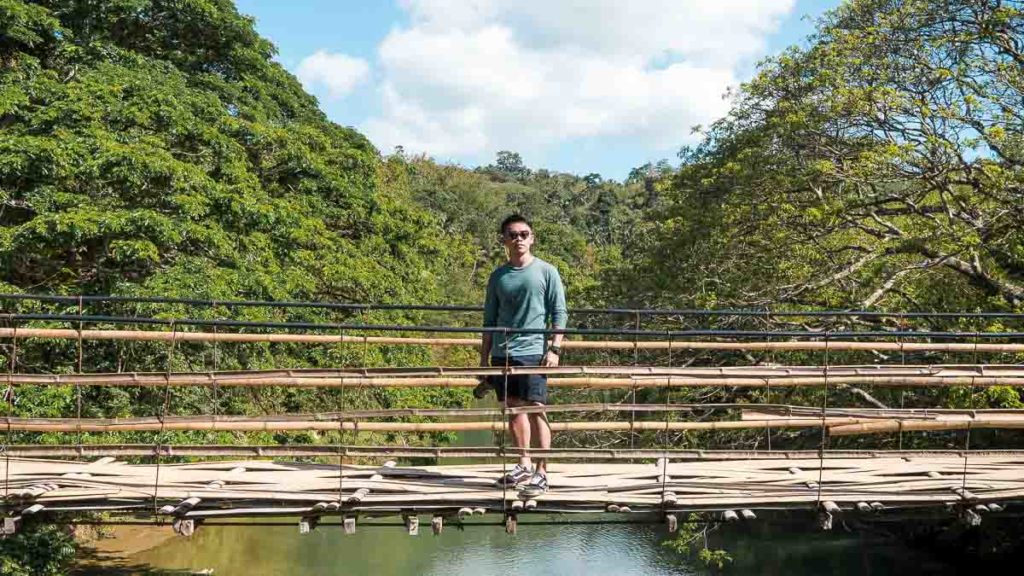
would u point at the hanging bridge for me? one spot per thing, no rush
(615, 456)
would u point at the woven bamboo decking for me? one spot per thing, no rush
(264, 488)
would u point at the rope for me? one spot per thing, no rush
(636, 362)
(903, 391)
(505, 425)
(362, 315)
(668, 437)
(216, 381)
(163, 417)
(768, 383)
(341, 424)
(9, 393)
(824, 430)
(78, 383)
(967, 436)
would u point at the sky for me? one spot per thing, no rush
(579, 86)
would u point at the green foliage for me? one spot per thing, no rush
(37, 550)
(153, 147)
(580, 222)
(878, 166)
(691, 541)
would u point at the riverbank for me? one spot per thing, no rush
(111, 549)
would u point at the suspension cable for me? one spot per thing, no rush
(967, 435)
(341, 424)
(506, 425)
(9, 393)
(824, 429)
(163, 418)
(668, 436)
(78, 383)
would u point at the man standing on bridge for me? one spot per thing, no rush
(526, 292)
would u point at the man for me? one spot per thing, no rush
(526, 293)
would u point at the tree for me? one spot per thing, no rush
(153, 147)
(879, 166)
(511, 164)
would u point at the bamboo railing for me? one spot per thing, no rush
(682, 480)
(680, 344)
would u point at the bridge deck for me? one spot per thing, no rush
(263, 488)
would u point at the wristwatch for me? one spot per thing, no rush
(556, 349)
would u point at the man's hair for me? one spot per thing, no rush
(512, 220)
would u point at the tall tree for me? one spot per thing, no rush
(148, 143)
(879, 166)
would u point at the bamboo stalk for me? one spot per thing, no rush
(181, 336)
(467, 382)
(268, 425)
(767, 411)
(895, 425)
(838, 425)
(276, 377)
(472, 452)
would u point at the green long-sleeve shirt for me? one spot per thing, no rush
(527, 297)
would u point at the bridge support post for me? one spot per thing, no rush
(349, 524)
(412, 524)
(308, 523)
(672, 523)
(969, 517)
(10, 525)
(511, 523)
(824, 520)
(827, 513)
(185, 526)
(437, 524)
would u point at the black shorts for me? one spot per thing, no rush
(526, 387)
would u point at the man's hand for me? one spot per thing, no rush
(551, 360)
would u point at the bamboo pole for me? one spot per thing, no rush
(270, 425)
(896, 425)
(837, 425)
(766, 411)
(471, 452)
(182, 336)
(282, 377)
(640, 381)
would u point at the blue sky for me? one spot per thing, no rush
(597, 86)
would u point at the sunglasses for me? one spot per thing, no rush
(523, 235)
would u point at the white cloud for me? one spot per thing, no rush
(339, 73)
(469, 77)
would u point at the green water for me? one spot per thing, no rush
(548, 549)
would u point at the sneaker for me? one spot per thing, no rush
(537, 485)
(513, 477)
(482, 389)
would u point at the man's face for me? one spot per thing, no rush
(518, 238)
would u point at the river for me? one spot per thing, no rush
(541, 549)
(592, 549)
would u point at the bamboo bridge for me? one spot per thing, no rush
(64, 468)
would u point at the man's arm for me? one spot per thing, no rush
(554, 301)
(485, 349)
